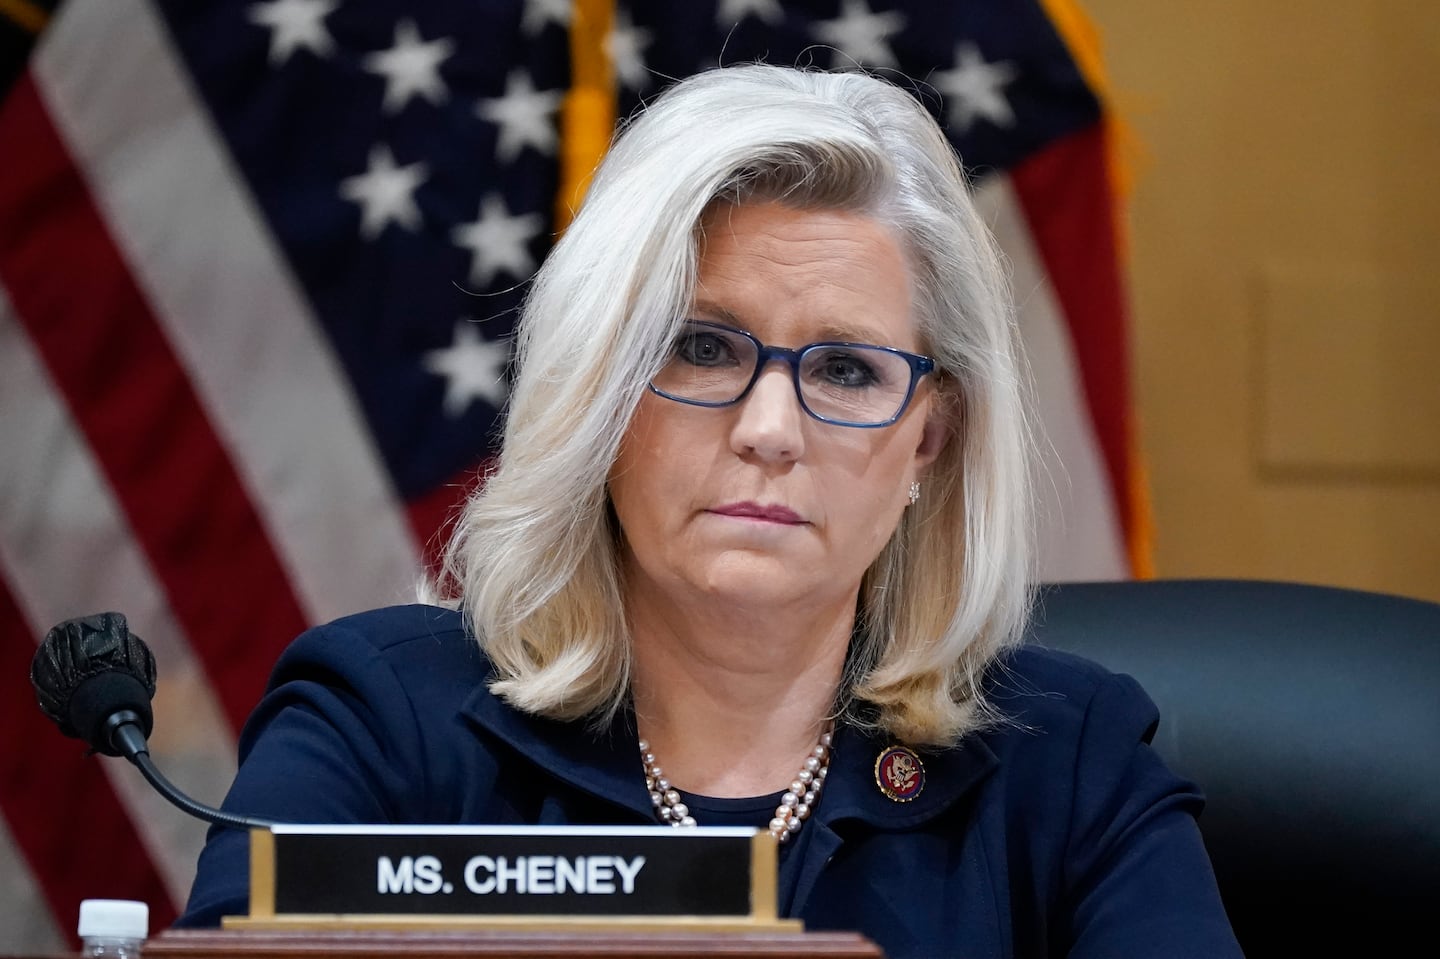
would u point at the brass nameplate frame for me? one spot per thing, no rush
(521, 877)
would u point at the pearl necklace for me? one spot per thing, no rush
(790, 815)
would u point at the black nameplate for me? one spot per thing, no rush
(525, 872)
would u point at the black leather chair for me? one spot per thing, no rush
(1311, 718)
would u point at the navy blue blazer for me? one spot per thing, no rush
(1059, 834)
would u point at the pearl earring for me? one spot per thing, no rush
(914, 493)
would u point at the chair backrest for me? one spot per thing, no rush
(1310, 716)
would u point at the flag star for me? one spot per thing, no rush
(525, 117)
(538, 13)
(295, 24)
(385, 193)
(498, 241)
(862, 36)
(473, 367)
(411, 67)
(731, 12)
(624, 46)
(976, 89)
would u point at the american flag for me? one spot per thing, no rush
(259, 264)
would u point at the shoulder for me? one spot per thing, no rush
(378, 694)
(394, 628)
(1093, 815)
(1038, 689)
(427, 651)
(1071, 730)
(391, 631)
(1052, 666)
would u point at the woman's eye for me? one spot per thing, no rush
(703, 349)
(847, 369)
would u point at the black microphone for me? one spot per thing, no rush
(94, 678)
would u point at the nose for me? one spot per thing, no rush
(770, 423)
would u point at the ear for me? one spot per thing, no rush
(933, 439)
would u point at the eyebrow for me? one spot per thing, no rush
(827, 332)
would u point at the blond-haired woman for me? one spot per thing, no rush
(757, 552)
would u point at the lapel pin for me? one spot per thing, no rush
(899, 773)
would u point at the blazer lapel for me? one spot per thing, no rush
(853, 802)
(603, 763)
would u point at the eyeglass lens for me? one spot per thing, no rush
(850, 383)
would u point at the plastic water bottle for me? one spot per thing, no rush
(113, 928)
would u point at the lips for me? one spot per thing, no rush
(758, 511)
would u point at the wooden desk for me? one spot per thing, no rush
(260, 944)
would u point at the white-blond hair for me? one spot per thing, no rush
(533, 561)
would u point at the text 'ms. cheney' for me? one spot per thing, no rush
(524, 875)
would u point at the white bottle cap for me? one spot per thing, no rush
(114, 919)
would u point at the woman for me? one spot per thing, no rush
(756, 551)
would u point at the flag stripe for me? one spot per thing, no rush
(94, 331)
(1066, 194)
(267, 376)
(62, 517)
(433, 515)
(61, 809)
(1080, 536)
(24, 910)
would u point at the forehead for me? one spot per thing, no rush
(793, 276)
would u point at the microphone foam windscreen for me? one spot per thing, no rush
(68, 665)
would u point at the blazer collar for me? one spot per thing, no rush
(852, 787)
(604, 763)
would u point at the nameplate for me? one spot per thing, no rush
(477, 875)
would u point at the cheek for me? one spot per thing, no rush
(877, 495)
(631, 484)
(649, 474)
(874, 476)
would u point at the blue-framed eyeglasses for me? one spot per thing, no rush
(845, 384)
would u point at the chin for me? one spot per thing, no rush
(763, 580)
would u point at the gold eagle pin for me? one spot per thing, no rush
(899, 773)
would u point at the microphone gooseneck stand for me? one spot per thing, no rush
(126, 735)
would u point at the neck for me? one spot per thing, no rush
(733, 701)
